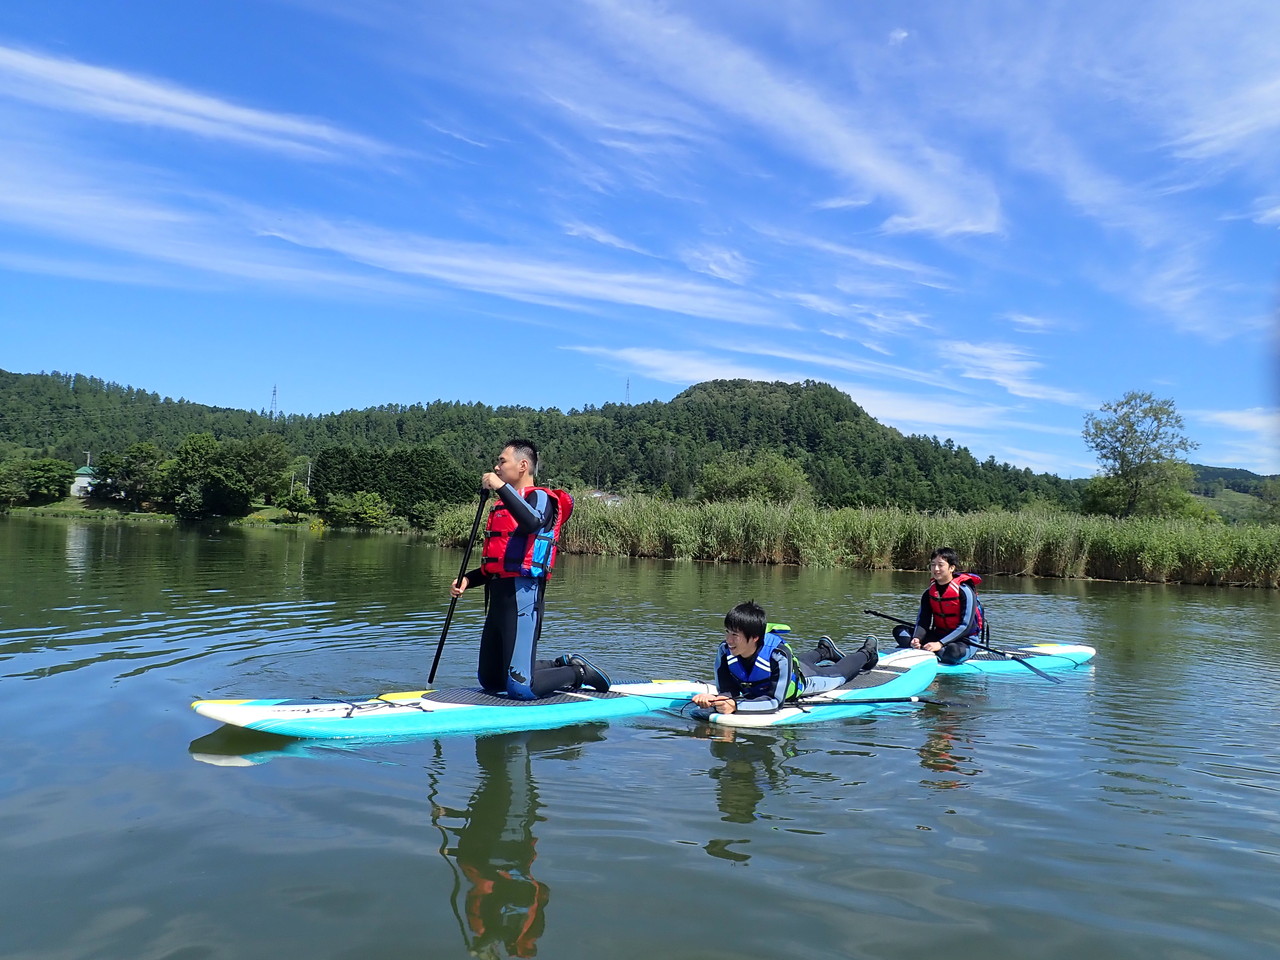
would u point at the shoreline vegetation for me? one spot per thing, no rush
(995, 542)
(1039, 543)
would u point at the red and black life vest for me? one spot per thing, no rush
(510, 553)
(947, 607)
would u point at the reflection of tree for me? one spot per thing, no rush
(752, 763)
(493, 844)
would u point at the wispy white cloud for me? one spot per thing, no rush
(456, 135)
(1238, 119)
(1267, 211)
(677, 366)
(825, 361)
(1263, 421)
(842, 203)
(920, 272)
(719, 262)
(1031, 324)
(1249, 438)
(933, 191)
(68, 85)
(157, 228)
(1008, 366)
(600, 235)
(520, 275)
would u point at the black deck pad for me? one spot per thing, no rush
(474, 695)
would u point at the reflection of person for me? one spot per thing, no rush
(504, 906)
(519, 552)
(757, 672)
(751, 763)
(940, 754)
(950, 613)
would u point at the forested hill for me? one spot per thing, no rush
(849, 458)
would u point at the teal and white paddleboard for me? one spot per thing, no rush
(456, 710)
(1045, 656)
(899, 676)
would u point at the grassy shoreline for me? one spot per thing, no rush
(1026, 543)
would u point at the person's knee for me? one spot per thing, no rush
(518, 687)
(902, 635)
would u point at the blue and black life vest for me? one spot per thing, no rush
(758, 681)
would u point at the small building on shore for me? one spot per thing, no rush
(80, 485)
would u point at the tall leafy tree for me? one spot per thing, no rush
(48, 479)
(1138, 440)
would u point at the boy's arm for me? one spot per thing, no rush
(924, 618)
(780, 668)
(726, 683)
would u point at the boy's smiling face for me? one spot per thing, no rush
(740, 645)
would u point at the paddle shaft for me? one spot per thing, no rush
(981, 646)
(854, 703)
(462, 572)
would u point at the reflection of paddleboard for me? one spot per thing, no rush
(902, 673)
(456, 710)
(234, 747)
(1046, 656)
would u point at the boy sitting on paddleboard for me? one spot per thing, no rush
(757, 672)
(949, 614)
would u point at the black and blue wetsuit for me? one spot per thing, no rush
(509, 642)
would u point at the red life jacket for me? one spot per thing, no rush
(948, 607)
(509, 553)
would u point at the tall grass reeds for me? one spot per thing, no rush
(1028, 543)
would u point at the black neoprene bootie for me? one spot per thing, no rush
(871, 647)
(589, 675)
(827, 650)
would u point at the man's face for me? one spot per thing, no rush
(740, 645)
(508, 466)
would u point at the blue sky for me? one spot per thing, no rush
(982, 220)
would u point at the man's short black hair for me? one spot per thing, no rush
(747, 618)
(525, 450)
(947, 554)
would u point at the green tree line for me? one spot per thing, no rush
(681, 449)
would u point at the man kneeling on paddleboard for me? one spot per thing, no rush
(520, 548)
(757, 672)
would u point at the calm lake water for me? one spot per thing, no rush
(1130, 812)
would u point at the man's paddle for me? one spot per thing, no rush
(981, 646)
(462, 572)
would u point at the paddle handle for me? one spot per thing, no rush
(885, 616)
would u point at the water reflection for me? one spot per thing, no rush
(490, 843)
(947, 753)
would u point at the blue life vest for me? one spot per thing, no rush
(758, 681)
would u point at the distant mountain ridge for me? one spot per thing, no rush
(849, 457)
